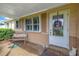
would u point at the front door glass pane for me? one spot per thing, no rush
(58, 25)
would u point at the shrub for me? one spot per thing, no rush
(6, 34)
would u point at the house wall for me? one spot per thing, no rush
(21, 25)
(77, 31)
(73, 24)
(41, 38)
(3, 26)
(11, 25)
(44, 22)
(73, 17)
(38, 38)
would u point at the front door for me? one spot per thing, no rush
(58, 29)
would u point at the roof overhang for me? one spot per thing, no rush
(16, 10)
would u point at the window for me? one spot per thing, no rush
(17, 24)
(36, 24)
(1, 24)
(28, 25)
(32, 24)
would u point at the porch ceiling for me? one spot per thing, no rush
(19, 9)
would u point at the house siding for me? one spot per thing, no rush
(21, 25)
(73, 24)
(44, 22)
(38, 38)
(11, 25)
(41, 38)
(73, 17)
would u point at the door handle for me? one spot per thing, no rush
(50, 32)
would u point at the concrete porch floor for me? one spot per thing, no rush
(29, 49)
(21, 49)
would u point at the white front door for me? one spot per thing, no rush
(58, 29)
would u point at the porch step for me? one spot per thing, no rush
(31, 47)
(19, 36)
(59, 51)
(56, 51)
(34, 48)
(12, 40)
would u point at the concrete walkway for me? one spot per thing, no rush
(16, 51)
(30, 49)
(21, 49)
(20, 52)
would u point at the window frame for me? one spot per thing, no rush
(33, 24)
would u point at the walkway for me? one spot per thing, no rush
(18, 49)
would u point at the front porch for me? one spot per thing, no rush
(30, 49)
(53, 31)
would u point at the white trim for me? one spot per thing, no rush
(32, 23)
(14, 24)
(68, 14)
(24, 25)
(40, 23)
(48, 19)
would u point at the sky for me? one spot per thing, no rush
(2, 18)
